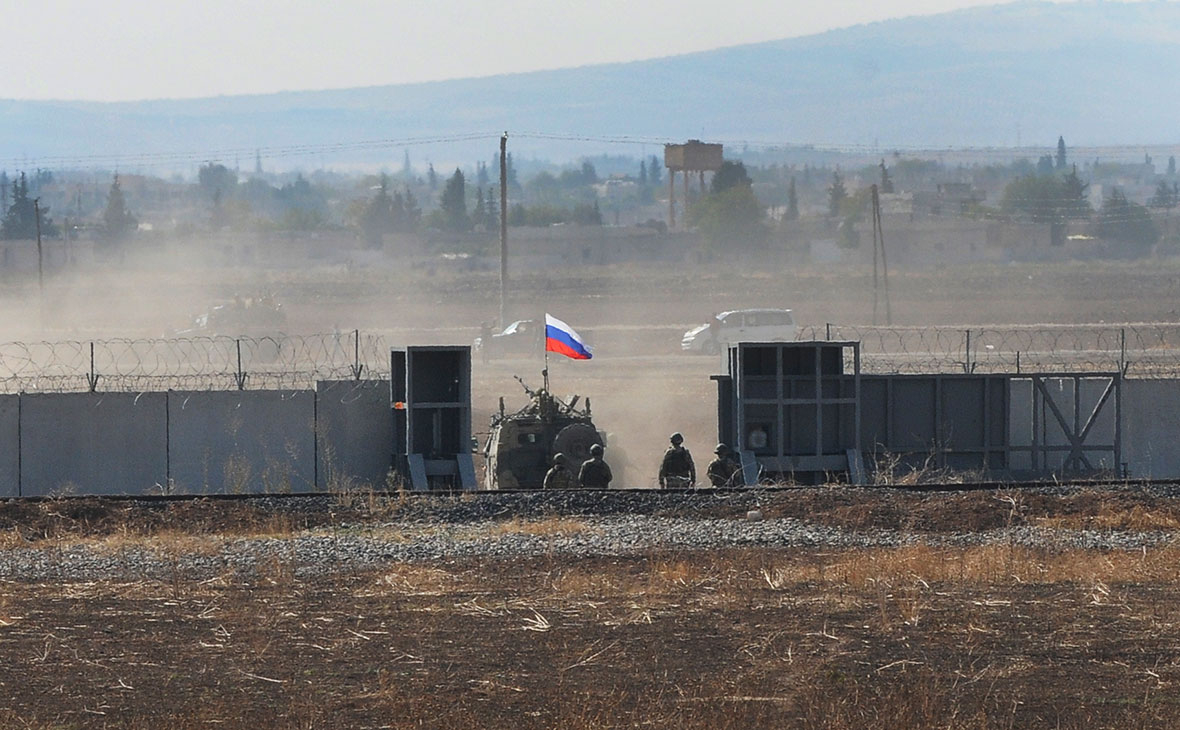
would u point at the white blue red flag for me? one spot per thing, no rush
(561, 338)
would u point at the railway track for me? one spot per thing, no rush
(931, 487)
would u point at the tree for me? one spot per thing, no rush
(730, 214)
(479, 215)
(216, 180)
(643, 173)
(492, 211)
(1126, 222)
(407, 171)
(379, 216)
(886, 181)
(431, 177)
(1045, 165)
(1074, 202)
(117, 221)
(1060, 161)
(729, 175)
(1172, 166)
(655, 171)
(1164, 197)
(20, 220)
(792, 202)
(453, 204)
(837, 193)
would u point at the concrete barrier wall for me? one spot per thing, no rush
(92, 443)
(242, 441)
(9, 445)
(1151, 428)
(354, 433)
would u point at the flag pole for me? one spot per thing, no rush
(545, 372)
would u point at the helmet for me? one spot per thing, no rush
(596, 450)
(677, 438)
(559, 458)
(721, 449)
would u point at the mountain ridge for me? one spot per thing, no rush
(1098, 73)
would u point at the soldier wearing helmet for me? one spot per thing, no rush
(677, 469)
(595, 473)
(559, 477)
(723, 471)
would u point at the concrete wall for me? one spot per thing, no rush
(1151, 428)
(9, 445)
(354, 433)
(92, 443)
(242, 441)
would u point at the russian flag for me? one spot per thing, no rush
(561, 338)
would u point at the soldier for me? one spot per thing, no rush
(677, 469)
(595, 473)
(559, 477)
(722, 470)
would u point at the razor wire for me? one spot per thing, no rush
(1138, 350)
(196, 363)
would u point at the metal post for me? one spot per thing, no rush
(92, 378)
(828, 326)
(357, 368)
(967, 363)
(240, 377)
(671, 198)
(503, 229)
(1123, 350)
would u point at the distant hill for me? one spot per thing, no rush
(1098, 73)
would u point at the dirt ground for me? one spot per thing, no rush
(736, 640)
(992, 636)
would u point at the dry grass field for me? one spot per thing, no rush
(989, 636)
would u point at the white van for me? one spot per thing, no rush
(741, 325)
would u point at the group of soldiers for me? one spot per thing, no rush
(593, 474)
(677, 469)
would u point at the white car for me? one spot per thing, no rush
(740, 325)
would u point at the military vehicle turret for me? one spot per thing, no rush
(521, 445)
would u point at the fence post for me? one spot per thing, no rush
(1018, 362)
(240, 376)
(356, 368)
(92, 378)
(1123, 350)
(828, 330)
(967, 363)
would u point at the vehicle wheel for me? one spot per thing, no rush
(712, 348)
(575, 441)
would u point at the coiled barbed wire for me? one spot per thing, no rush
(1140, 350)
(192, 363)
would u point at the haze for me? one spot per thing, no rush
(140, 49)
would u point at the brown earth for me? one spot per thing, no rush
(916, 637)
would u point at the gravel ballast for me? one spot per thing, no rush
(556, 524)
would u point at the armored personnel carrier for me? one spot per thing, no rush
(521, 445)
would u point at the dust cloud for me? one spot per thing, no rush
(641, 386)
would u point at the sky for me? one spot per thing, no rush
(119, 50)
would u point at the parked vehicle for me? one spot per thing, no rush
(522, 338)
(740, 325)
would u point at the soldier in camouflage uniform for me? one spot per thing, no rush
(559, 477)
(595, 473)
(722, 470)
(677, 469)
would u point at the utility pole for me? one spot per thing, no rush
(503, 230)
(40, 266)
(879, 249)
